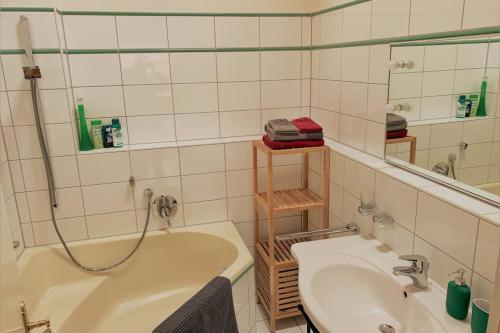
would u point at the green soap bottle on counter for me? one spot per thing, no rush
(458, 296)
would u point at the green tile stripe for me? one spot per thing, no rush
(339, 7)
(449, 42)
(187, 50)
(35, 51)
(390, 40)
(26, 9)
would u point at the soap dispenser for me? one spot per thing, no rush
(458, 296)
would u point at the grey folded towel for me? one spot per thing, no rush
(292, 137)
(211, 310)
(395, 122)
(282, 126)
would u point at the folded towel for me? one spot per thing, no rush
(394, 119)
(292, 137)
(291, 144)
(282, 126)
(306, 125)
(210, 310)
(397, 134)
(397, 127)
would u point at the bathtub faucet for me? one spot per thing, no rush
(31, 325)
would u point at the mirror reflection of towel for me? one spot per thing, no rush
(395, 122)
(211, 310)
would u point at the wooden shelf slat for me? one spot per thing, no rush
(297, 199)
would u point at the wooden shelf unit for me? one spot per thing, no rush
(407, 139)
(276, 273)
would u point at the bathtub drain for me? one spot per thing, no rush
(386, 328)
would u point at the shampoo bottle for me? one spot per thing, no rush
(461, 107)
(84, 138)
(481, 108)
(116, 130)
(458, 296)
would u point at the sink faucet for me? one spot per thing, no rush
(417, 271)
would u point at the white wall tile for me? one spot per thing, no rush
(359, 179)
(446, 227)
(390, 18)
(377, 102)
(378, 69)
(193, 67)
(238, 66)
(101, 101)
(355, 62)
(237, 31)
(440, 57)
(204, 187)
(205, 101)
(148, 99)
(437, 83)
(145, 68)
(107, 198)
(17, 176)
(161, 163)
(10, 143)
(280, 65)
(27, 142)
(430, 16)
(191, 31)
(354, 98)
(65, 170)
(94, 69)
(436, 107)
(194, 126)
(280, 94)
(54, 106)
(7, 186)
(238, 155)
(5, 112)
(43, 32)
(90, 32)
(405, 85)
(147, 129)
(111, 224)
(239, 96)
(488, 240)
(375, 138)
(142, 32)
(205, 212)
(60, 139)
(72, 229)
(34, 174)
(240, 209)
(475, 155)
(480, 130)
(471, 56)
(330, 28)
(330, 64)
(481, 13)
(468, 81)
(240, 183)
(104, 168)
(49, 63)
(329, 95)
(352, 131)
(202, 159)
(415, 54)
(356, 22)
(69, 204)
(395, 237)
(280, 31)
(240, 123)
(446, 135)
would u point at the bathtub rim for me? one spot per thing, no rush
(225, 230)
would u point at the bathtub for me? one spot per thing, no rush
(169, 268)
(491, 187)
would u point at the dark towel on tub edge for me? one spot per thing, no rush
(211, 310)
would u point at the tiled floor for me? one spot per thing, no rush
(289, 325)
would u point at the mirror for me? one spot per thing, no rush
(443, 112)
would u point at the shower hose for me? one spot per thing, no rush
(52, 195)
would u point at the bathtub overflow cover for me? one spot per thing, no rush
(386, 328)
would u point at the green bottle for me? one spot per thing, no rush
(481, 108)
(458, 296)
(85, 142)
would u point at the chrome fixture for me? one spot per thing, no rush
(32, 73)
(398, 107)
(16, 244)
(417, 271)
(444, 168)
(463, 146)
(395, 64)
(351, 227)
(451, 161)
(383, 219)
(386, 328)
(29, 326)
(165, 208)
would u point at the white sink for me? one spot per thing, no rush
(346, 285)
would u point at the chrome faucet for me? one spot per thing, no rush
(417, 271)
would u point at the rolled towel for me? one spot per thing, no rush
(282, 126)
(292, 137)
(307, 125)
(397, 134)
(291, 144)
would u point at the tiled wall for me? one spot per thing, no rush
(349, 84)
(451, 229)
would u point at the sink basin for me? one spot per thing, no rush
(346, 285)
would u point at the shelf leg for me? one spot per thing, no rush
(256, 209)
(270, 231)
(326, 189)
(305, 184)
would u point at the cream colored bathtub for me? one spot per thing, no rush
(491, 187)
(169, 268)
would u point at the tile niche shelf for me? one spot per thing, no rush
(276, 273)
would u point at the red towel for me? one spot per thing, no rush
(291, 144)
(397, 134)
(306, 125)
